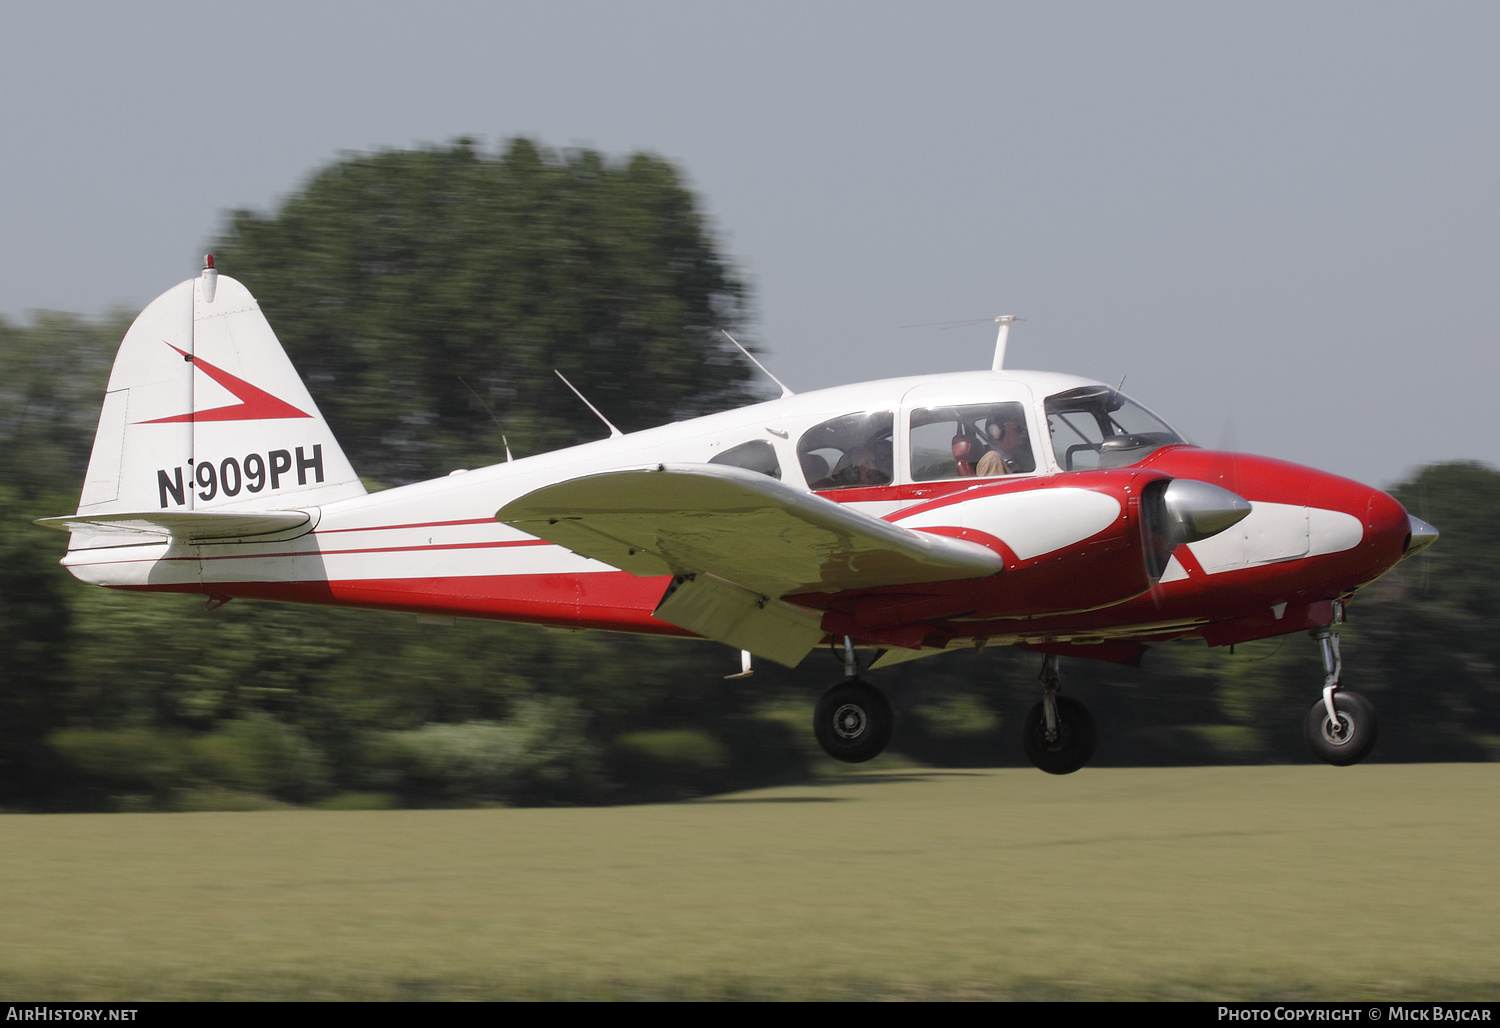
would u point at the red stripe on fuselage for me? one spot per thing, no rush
(415, 524)
(612, 600)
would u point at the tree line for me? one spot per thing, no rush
(425, 296)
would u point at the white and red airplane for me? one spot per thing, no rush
(910, 517)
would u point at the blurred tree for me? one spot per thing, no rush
(419, 291)
(52, 377)
(34, 634)
(1426, 652)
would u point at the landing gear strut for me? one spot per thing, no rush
(1341, 727)
(1059, 733)
(853, 720)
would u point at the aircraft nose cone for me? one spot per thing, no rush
(1423, 535)
(1197, 510)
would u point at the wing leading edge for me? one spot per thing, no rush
(738, 541)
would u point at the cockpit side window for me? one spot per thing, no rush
(980, 440)
(757, 455)
(849, 452)
(1096, 427)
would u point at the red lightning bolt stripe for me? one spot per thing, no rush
(255, 403)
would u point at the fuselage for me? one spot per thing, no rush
(436, 548)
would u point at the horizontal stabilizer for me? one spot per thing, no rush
(744, 527)
(185, 526)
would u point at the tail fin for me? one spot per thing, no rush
(204, 412)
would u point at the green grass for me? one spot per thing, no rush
(1376, 882)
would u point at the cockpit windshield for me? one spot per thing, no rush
(1095, 427)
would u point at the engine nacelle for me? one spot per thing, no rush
(1072, 543)
(1079, 542)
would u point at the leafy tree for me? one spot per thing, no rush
(420, 292)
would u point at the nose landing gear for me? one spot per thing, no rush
(1059, 733)
(1341, 728)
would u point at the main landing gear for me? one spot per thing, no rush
(853, 720)
(1341, 727)
(1059, 733)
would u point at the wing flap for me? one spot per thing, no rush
(719, 610)
(743, 527)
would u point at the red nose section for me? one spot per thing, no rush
(1385, 527)
(1387, 530)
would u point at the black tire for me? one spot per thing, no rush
(853, 722)
(1353, 743)
(1074, 745)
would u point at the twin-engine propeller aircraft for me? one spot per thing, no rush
(910, 517)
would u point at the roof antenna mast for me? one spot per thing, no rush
(1001, 338)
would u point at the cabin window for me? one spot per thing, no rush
(982, 440)
(849, 452)
(1096, 427)
(757, 455)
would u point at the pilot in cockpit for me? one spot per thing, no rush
(1009, 447)
(869, 464)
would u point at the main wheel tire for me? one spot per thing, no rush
(1355, 736)
(1076, 737)
(853, 722)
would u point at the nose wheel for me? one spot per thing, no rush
(1348, 735)
(1341, 728)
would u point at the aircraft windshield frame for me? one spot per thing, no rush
(1095, 426)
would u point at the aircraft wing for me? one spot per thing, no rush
(743, 527)
(738, 541)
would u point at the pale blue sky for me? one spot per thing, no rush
(1281, 213)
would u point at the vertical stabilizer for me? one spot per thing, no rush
(205, 412)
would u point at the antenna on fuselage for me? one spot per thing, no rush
(613, 431)
(491, 413)
(785, 392)
(1001, 338)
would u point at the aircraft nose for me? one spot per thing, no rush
(1422, 535)
(1388, 528)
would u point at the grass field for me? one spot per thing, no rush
(1376, 882)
